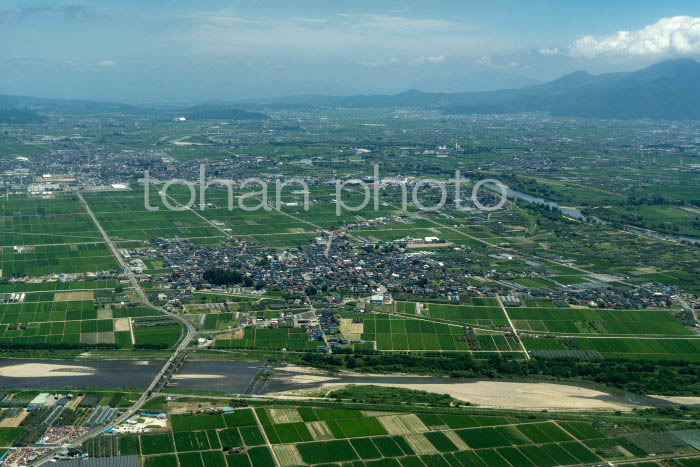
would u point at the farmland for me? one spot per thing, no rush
(480, 316)
(63, 220)
(142, 224)
(526, 292)
(650, 349)
(289, 338)
(610, 322)
(44, 319)
(52, 259)
(308, 435)
(396, 333)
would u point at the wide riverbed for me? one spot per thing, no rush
(31, 373)
(514, 394)
(234, 377)
(292, 381)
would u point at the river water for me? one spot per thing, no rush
(38, 374)
(242, 378)
(577, 214)
(234, 377)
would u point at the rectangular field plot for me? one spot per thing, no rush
(188, 423)
(288, 433)
(487, 316)
(168, 333)
(57, 322)
(288, 338)
(396, 333)
(57, 286)
(327, 451)
(392, 333)
(140, 224)
(651, 349)
(63, 220)
(47, 260)
(583, 321)
(323, 436)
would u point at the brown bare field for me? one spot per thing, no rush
(456, 440)
(284, 415)
(89, 337)
(75, 402)
(234, 334)
(350, 330)
(375, 413)
(420, 444)
(430, 245)
(74, 296)
(15, 421)
(104, 314)
(122, 324)
(319, 430)
(288, 455)
(106, 337)
(402, 424)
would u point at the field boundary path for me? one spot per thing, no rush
(178, 353)
(267, 440)
(512, 326)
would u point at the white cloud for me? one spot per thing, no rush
(107, 63)
(311, 20)
(679, 35)
(548, 51)
(379, 62)
(429, 59)
(362, 37)
(390, 22)
(484, 60)
(372, 63)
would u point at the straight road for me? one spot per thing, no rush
(175, 357)
(512, 327)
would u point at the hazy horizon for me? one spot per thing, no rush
(216, 50)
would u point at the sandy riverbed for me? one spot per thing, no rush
(35, 370)
(494, 394)
(682, 400)
(512, 395)
(202, 376)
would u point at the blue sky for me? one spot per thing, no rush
(189, 51)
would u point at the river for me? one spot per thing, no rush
(234, 377)
(242, 378)
(577, 214)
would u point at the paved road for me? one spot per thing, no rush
(175, 357)
(512, 326)
(686, 306)
(510, 249)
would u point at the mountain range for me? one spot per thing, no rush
(667, 90)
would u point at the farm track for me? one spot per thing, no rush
(512, 327)
(179, 350)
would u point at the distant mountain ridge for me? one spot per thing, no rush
(221, 112)
(18, 116)
(25, 109)
(65, 106)
(667, 90)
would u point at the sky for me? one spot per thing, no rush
(145, 51)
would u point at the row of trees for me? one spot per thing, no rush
(642, 377)
(219, 276)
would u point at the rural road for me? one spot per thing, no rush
(174, 358)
